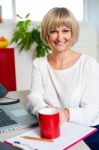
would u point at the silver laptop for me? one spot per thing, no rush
(15, 116)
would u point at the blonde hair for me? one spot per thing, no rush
(55, 18)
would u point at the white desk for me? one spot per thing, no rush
(22, 95)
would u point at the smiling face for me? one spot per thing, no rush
(60, 38)
(59, 29)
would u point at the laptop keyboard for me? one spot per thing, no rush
(5, 119)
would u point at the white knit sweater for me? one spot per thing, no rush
(75, 88)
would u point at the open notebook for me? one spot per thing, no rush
(70, 134)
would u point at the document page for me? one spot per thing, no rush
(71, 133)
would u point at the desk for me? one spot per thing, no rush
(22, 95)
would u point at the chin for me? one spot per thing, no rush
(61, 50)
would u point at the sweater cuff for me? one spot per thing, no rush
(36, 109)
(75, 115)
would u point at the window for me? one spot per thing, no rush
(38, 8)
(6, 9)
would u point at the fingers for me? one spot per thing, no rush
(62, 121)
(63, 116)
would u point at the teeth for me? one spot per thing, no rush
(60, 43)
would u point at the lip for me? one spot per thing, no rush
(59, 43)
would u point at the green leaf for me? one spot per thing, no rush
(27, 15)
(19, 16)
(24, 38)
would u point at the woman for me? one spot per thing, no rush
(64, 78)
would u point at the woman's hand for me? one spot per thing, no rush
(64, 115)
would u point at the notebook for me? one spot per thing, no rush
(71, 134)
(14, 116)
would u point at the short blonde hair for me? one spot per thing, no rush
(57, 17)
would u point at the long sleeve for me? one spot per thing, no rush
(36, 96)
(88, 111)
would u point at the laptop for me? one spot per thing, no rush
(14, 116)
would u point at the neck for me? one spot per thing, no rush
(63, 60)
(61, 56)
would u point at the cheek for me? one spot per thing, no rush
(52, 37)
(69, 36)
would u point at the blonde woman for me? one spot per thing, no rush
(65, 79)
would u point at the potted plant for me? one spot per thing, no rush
(26, 34)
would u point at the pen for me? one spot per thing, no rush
(26, 146)
(13, 145)
(37, 139)
(17, 146)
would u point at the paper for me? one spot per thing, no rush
(71, 133)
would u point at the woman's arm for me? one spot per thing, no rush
(88, 109)
(35, 98)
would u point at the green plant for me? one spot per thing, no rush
(26, 34)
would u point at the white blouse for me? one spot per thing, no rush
(75, 88)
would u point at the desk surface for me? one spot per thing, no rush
(22, 95)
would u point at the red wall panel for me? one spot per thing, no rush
(7, 69)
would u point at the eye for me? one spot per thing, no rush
(53, 31)
(66, 30)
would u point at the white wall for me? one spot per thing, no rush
(23, 69)
(92, 11)
(87, 44)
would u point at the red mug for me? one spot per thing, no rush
(49, 123)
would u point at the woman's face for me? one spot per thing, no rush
(60, 38)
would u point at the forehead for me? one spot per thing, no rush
(57, 23)
(61, 28)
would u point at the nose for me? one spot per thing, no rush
(60, 36)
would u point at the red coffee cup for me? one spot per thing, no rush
(49, 123)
